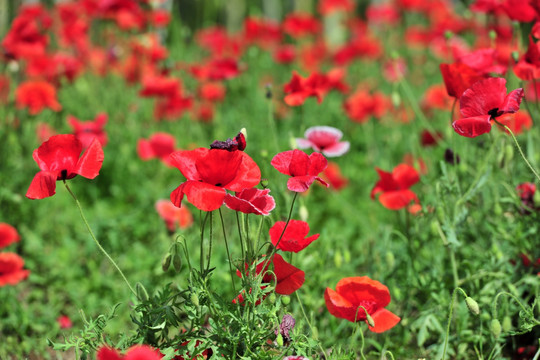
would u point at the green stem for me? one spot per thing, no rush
(521, 152)
(211, 241)
(527, 311)
(362, 341)
(450, 318)
(308, 322)
(96, 240)
(241, 237)
(203, 224)
(227, 248)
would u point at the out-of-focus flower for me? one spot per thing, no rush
(36, 96)
(8, 235)
(64, 322)
(303, 169)
(324, 139)
(174, 217)
(87, 131)
(11, 269)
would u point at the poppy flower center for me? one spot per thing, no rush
(494, 113)
(63, 174)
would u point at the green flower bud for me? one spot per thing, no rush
(390, 259)
(497, 209)
(338, 259)
(142, 294)
(279, 340)
(194, 299)
(472, 305)
(285, 300)
(166, 262)
(396, 99)
(264, 183)
(177, 262)
(370, 320)
(507, 324)
(495, 327)
(272, 298)
(509, 152)
(434, 227)
(303, 212)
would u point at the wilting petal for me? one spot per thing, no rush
(43, 185)
(90, 163)
(289, 278)
(482, 96)
(336, 149)
(384, 320)
(472, 126)
(512, 101)
(395, 200)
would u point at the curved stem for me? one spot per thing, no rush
(96, 240)
(521, 152)
(227, 248)
(307, 320)
(450, 318)
(527, 311)
(362, 342)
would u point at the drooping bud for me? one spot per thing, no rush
(166, 262)
(472, 305)
(285, 300)
(507, 324)
(495, 327)
(142, 294)
(370, 320)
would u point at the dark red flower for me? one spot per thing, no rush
(251, 201)
(303, 169)
(238, 143)
(87, 131)
(294, 238)
(458, 77)
(136, 352)
(11, 269)
(36, 96)
(209, 172)
(395, 186)
(482, 102)
(428, 138)
(173, 216)
(58, 159)
(324, 139)
(8, 235)
(356, 296)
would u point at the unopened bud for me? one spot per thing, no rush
(279, 340)
(472, 305)
(194, 299)
(495, 327)
(272, 298)
(370, 320)
(338, 259)
(507, 324)
(244, 132)
(390, 259)
(396, 99)
(166, 262)
(285, 300)
(497, 209)
(264, 183)
(142, 294)
(536, 198)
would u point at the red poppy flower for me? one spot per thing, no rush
(173, 216)
(324, 139)
(87, 131)
(64, 322)
(458, 77)
(263, 32)
(27, 38)
(172, 107)
(44, 131)
(436, 98)
(304, 169)
(137, 352)
(361, 105)
(160, 145)
(37, 95)
(299, 89)
(528, 67)
(212, 91)
(482, 102)
(58, 159)
(483, 61)
(294, 238)
(285, 54)
(251, 201)
(11, 269)
(160, 86)
(395, 186)
(354, 296)
(333, 176)
(517, 122)
(298, 25)
(216, 69)
(209, 172)
(327, 7)
(8, 235)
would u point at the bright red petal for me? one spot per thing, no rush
(384, 320)
(362, 289)
(395, 200)
(472, 126)
(299, 164)
(186, 162)
(247, 176)
(106, 353)
(405, 176)
(60, 152)
(512, 101)
(203, 196)
(281, 162)
(90, 163)
(337, 305)
(43, 185)
(482, 97)
(289, 278)
(318, 164)
(142, 352)
(300, 183)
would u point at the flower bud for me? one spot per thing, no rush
(507, 324)
(194, 298)
(166, 262)
(279, 340)
(390, 259)
(497, 209)
(264, 183)
(369, 320)
(495, 327)
(142, 294)
(177, 262)
(338, 259)
(285, 300)
(396, 99)
(509, 152)
(536, 198)
(272, 298)
(472, 305)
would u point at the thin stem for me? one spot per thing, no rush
(241, 237)
(307, 321)
(227, 248)
(203, 223)
(521, 152)
(362, 341)
(211, 242)
(389, 353)
(450, 318)
(96, 240)
(527, 311)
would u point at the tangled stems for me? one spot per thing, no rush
(450, 317)
(309, 323)
(96, 241)
(525, 310)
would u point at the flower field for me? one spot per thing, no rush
(331, 179)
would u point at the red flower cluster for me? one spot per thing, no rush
(394, 187)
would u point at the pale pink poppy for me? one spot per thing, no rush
(324, 139)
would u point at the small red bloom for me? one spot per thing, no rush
(64, 322)
(482, 102)
(251, 201)
(58, 159)
(332, 175)
(299, 25)
(137, 352)
(294, 238)
(87, 131)
(395, 186)
(285, 54)
(327, 7)
(304, 169)
(428, 138)
(299, 89)
(458, 77)
(11, 269)
(324, 139)
(37, 95)
(212, 91)
(8, 235)
(173, 216)
(209, 172)
(354, 296)
(361, 105)
(160, 145)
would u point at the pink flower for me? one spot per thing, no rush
(324, 139)
(303, 169)
(251, 201)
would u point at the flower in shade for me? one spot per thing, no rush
(36, 96)
(484, 101)
(86, 131)
(324, 139)
(64, 322)
(303, 169)
(394, 187)
(11, 269)
(59, 159)
(137, 352)
(357, 297)
(294, 238)
(251, 201)
(209, 173)
(173, 216)
(458, 77)
(8, 235)
(160, 145)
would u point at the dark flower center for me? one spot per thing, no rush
(63, 174)
(494, 113)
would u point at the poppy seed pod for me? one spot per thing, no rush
(472, 305)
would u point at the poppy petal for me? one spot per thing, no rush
(362, 289)
(204, 196)
(337, 149)
(90, 163)
(248, 174)
(300, 163)
(512, 101)
(43, 185)
(106, 353)
(142, 352)
(281, 161)
(303, 143)
(384, 320)
(186, 162)
(482, 97)
(395, 200)
(405, 176)
(300, 183)
(317, 164)
(289, 278)
(472, 126)
(340, 307)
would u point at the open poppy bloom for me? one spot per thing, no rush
(484, 101)
(137, 352)
(324, 139)
(8, 235)
(395, 186)
(36, 96)
(160, 145)
(294, 238)
(173, 216)
(333, 176)
(209, 172)
(251, 201)
(11, 269)
(303, 169)
(86, 131)
(58, 158)
(356, 296)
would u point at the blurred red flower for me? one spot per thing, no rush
(361, 105)
(285, 54)
(332, 175)
(209, 172)
(87, 131)
(483, 101)
(173, 216)
(64, 322)
(518, 122)
(251, 201)
(458, 77)
(11, 269)
(262, 32)
(528, 67)
(27, 38)
(44, 131)
(294, 238)
(159, 145)
(8, 235)
(299, 25)
(395, 186)
(58, 159)
(324, 139)
(212, 91)
(36, 96)
(137, 352)
(327, 7)
(356, 296)
(303, 169)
